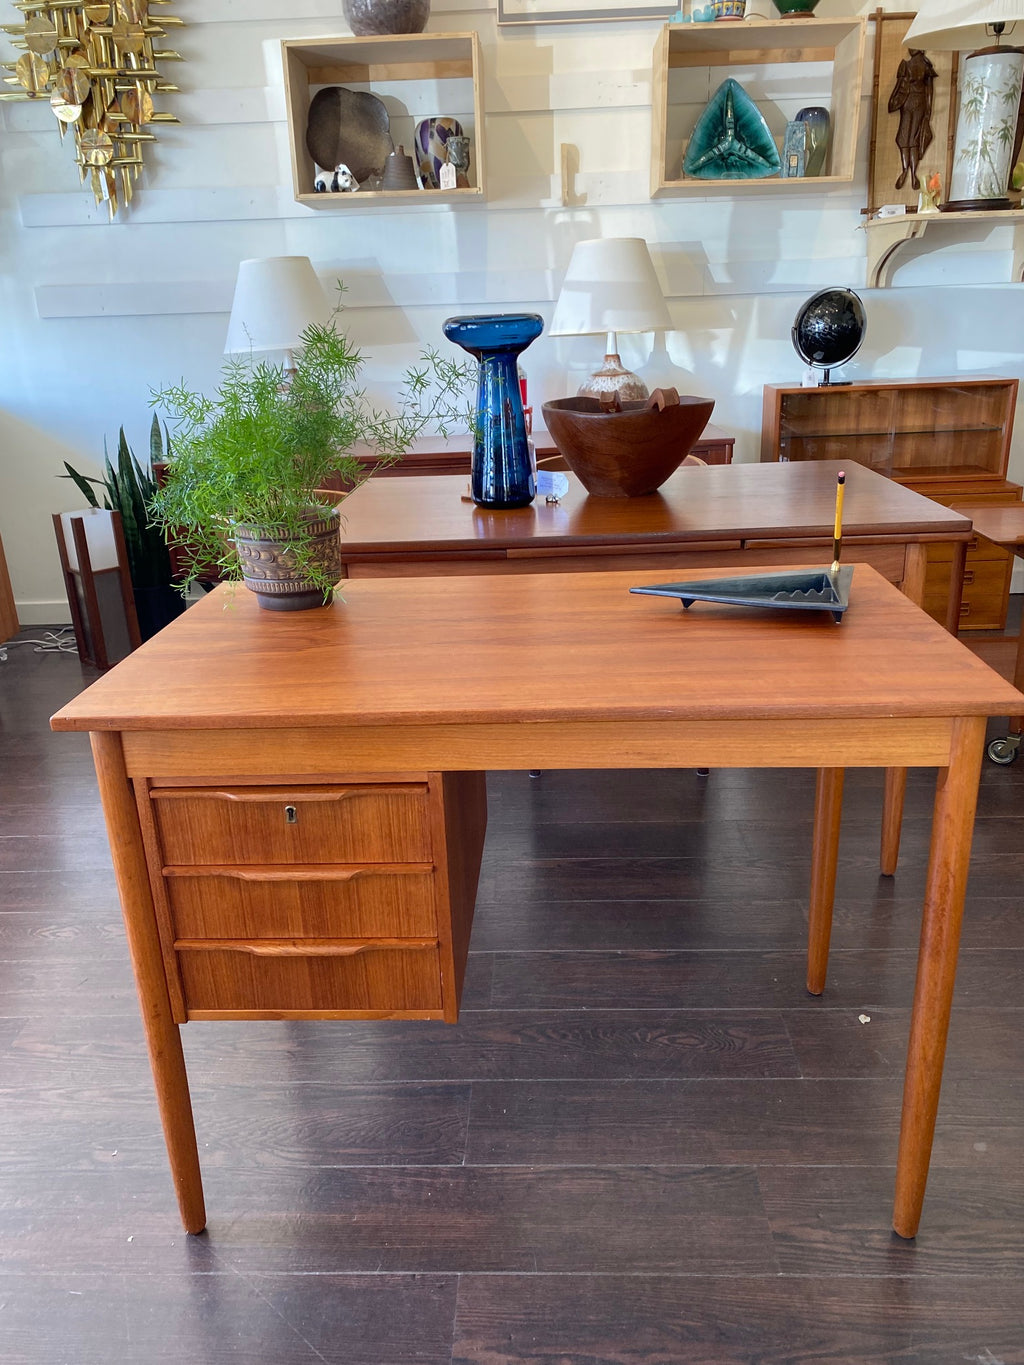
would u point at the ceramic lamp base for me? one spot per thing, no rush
(613, 377)
(975, 205)
(990, 86)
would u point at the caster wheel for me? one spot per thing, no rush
(1003, 751)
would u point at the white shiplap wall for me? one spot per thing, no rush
(95, 314)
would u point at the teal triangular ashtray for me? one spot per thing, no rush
(731, 140)
(792, 589)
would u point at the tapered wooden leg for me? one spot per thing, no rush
(162, 1036)
(892, 819)
(828, 810)
(956, 798)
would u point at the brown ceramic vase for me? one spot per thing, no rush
(628, 453)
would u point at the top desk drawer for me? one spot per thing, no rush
(376, 823)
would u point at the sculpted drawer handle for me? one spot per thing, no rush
(302, 947)
(262, 796)
(287, 873)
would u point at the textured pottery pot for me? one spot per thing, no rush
(270, 565)
(625, 454)
(369, 18)
(399, 172)
(431, 142)
(729, 9)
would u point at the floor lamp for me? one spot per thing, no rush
(987, 139)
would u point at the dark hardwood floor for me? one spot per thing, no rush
(643, 1144)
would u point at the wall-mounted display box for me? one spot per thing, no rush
(946, 438)
(691, 61)
(416, 75)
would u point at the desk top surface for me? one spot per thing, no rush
(537, 647)
(999, 522)
(697, 504)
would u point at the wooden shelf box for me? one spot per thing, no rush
(691, 61)
(946, 438)
(417, 75)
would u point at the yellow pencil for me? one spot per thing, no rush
(837, 534)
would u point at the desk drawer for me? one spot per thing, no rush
(370, 980)
(376, 823)
(302, 902)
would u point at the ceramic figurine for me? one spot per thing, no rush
(928, 198)
(334, 182)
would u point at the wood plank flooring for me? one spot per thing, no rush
(643, 1144)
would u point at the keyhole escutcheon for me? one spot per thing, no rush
(291, 816)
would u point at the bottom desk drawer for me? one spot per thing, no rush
(370, 981)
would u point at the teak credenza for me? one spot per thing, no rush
(295, 802)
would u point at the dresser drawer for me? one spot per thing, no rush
(254, 903)
(376, 823)
(371, 980)
(986, 588)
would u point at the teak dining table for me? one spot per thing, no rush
(295, 802)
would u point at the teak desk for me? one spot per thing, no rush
(296, 810)
(730, 515)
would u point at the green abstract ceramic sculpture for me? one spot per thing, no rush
(731, 140)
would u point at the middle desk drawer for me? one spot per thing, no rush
(301, 902)
(377, 823)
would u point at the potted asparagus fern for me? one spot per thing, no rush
(244, 489)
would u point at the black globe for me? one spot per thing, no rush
(829, 328)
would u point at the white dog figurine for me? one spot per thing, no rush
(331, 182)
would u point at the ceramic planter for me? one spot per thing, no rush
(275, 568)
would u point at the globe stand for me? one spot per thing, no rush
(502, 471)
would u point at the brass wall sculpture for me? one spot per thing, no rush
(97, 65)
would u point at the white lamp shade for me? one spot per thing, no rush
(98, 524)
(276, 299)
(960, 26)
(610, 286)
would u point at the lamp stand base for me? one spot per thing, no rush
(974, 205)
(613, 377)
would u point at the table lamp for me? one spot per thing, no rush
(276, 299)
(610, 287)
(990, 86)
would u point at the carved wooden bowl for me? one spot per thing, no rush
(628, 453)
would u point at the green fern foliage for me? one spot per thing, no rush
(259, 451)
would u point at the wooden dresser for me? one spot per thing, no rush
(946, 438)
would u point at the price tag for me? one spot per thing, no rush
(446, 176)
(551, 484)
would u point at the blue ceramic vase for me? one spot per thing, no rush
(502, 472)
